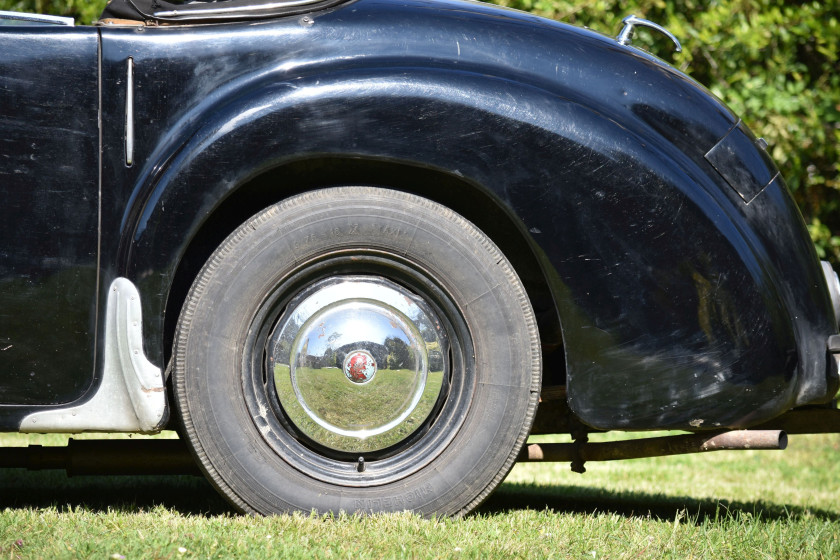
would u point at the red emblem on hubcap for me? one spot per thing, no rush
(359, 366)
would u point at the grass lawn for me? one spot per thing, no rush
(747, 504)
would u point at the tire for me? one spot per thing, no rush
(356, 349)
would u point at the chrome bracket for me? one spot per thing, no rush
(833, 344)
(131, 396)
(630, 23)
(833, 282)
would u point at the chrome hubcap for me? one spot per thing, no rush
(358, 363)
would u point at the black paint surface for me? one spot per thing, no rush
(49, 170)
(681, 305)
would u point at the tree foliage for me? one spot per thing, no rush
(84, 11)
(775, 63)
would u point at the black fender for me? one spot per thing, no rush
(680, 305)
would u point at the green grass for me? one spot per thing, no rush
(750, 504)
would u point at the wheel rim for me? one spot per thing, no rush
(323, 452)
(357, 363)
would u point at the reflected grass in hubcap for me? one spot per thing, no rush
(329, 386)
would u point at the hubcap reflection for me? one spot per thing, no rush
(358, 362)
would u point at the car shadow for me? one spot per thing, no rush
(193, 495)
(188, 495)
(587, 500)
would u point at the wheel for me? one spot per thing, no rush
(356, 349)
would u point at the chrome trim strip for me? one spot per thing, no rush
(38, 18)
(131, 396)
(129, 113)
(235, 10)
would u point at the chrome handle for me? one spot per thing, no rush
(630, 22)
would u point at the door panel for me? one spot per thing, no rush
(49, 204)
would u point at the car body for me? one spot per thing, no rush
(654, 265)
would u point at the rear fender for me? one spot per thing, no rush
(667, 305)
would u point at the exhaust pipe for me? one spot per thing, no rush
(171, 457)
(580, 452)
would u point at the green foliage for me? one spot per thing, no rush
(84, 11)
(775, 63)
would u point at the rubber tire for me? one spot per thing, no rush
(245, 271)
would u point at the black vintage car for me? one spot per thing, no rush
(355, 252)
